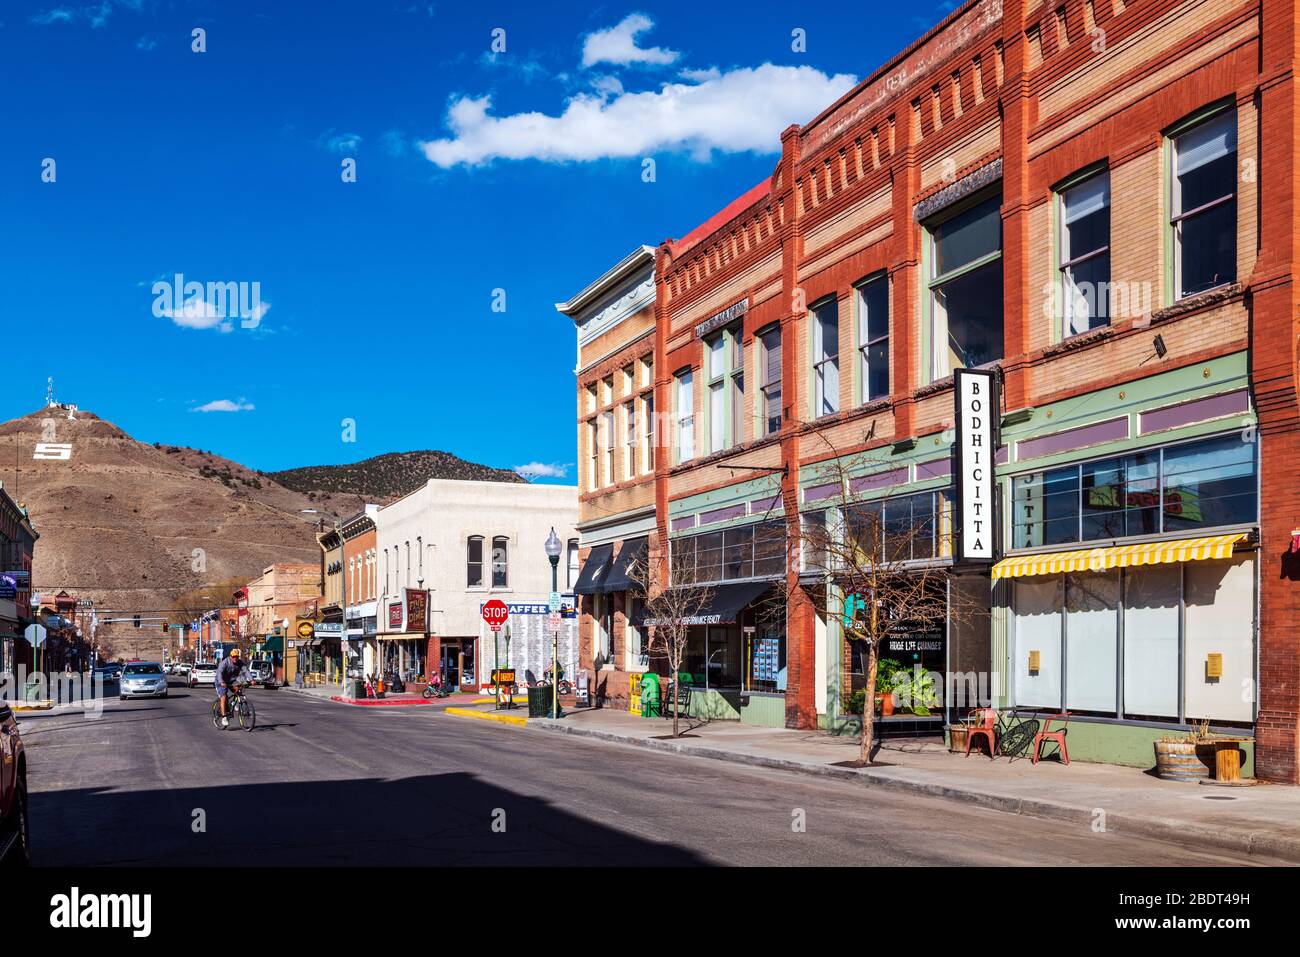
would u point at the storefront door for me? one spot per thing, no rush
(450, 665)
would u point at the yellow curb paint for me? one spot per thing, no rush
(39, 706)
(487, 716)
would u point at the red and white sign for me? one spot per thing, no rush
(495, 613)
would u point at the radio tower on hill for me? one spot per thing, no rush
(51, 404)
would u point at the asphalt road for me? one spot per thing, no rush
(152, 782)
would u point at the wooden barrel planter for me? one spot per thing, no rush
(957, 738)
(1183, 760)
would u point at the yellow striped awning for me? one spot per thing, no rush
(1118, 556)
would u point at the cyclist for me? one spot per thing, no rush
(232, 670)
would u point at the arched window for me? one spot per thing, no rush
(474, 562)
(500, 562)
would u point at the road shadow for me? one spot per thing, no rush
(427, 821)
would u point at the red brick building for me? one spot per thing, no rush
(1097, 200)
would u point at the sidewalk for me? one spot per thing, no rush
(1262, 820)
(333, 693)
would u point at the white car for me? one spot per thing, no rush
(181, 668)
(143, 679)
(203, 673)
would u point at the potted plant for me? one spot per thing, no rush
(888, 673)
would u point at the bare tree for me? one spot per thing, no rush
(882, 568)
(673, 600)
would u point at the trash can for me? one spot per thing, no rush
(650, 696)
(539, 702)
(358, 688)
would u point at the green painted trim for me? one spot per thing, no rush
(1057, 282)
(763, 711)
(1199, 116)
(728, 495)
(923, 290)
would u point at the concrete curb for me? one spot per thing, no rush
(518, 721)
(1253, 842)
(34, 706)
(363, 702)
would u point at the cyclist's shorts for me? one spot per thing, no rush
(222, 691)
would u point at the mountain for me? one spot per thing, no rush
(385, 478)
(135, 526)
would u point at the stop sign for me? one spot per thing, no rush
(495, 613)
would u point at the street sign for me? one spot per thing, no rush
(555, 601)
(495, 613)
(35, 634)
(553, 621)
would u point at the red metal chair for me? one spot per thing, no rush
(987, 726)
(1057, 736)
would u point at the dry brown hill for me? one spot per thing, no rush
(120, 520)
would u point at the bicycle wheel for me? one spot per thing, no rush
(1017, 739)
(216, 715)
(247, 714)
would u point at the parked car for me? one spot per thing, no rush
(263, 673)
(182, 669)
(14, 835)
(143, 679)
(203, 673)
(107, 673)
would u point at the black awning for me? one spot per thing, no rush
(633, 552)
(724, 606)
(593, 570)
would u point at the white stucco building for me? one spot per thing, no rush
(465, 543)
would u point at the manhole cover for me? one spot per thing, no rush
(1219, 797)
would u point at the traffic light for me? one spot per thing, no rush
(137, 621)
(166, 627)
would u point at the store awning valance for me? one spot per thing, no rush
(1118, 556)
(593, 570)
(273, 643)
(724, 604)
(632, 553)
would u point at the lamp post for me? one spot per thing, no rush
(553, 548)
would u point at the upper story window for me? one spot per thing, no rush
(965, 287)
(770, 379)
(474, 562)
(1203, 484)
(726, 372)
(607, 445)
(648, 430)
(572, 566)
(873, 336)
(629, 439)
(593, 455)
(591, 399)
(500, 561)
(607, 390)
(685, 416)
(647, 372)
(1203, 204)
(826, 357)
(1084, 216)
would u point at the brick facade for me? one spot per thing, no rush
(1037, 92)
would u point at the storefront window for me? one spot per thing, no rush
(724, 656)
(1091, 608)
(1066, 628)
(765, 668)
(1209, 483)
(747, 551)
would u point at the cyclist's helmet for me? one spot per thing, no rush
(234, 652)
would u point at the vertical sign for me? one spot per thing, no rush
(977, 411)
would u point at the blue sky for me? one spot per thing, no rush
(516, 170)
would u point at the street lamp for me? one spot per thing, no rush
(553, 549)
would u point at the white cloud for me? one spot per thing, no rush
(541, 470)
(738, 110)
(96, 15)
(225, 405)
(618, 44)
(340, 142)
(199, 313)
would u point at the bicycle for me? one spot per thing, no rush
(238, 707)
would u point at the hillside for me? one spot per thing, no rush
(385, 478)
(135, 526)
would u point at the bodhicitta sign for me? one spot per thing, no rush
(977, 412)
